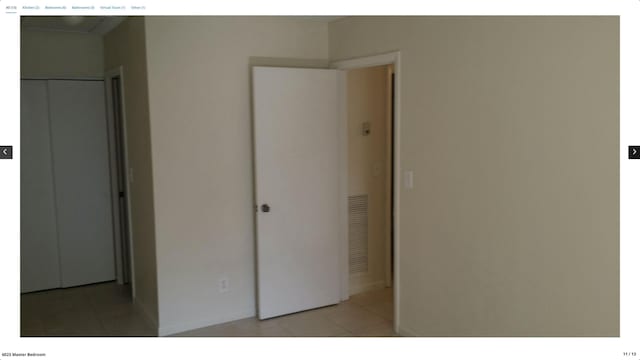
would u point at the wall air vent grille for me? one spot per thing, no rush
(358, 234)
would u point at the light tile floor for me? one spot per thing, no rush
(106, 310)
(103, 309)
(366, 314)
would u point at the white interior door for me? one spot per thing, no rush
(297, 189)
(82, 181)
(39, 263)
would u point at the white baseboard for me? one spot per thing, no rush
(356, 289)
(196, 324)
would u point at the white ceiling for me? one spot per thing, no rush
(83, 24)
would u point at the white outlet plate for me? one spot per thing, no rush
(223, 284)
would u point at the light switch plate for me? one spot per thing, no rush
(408, 179)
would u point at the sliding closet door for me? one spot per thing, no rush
(82, 186)
(39, 264)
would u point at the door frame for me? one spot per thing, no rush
(109, 75)
(391, 58)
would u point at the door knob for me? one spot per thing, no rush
(265, 208)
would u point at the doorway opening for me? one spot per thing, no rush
(119, 178)
(371, 147)
(316, 248)
(369, 123)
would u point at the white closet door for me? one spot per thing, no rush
(297, 189)
(81, 175)
(39, 265)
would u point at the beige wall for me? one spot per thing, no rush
(368, 165)
(60, 54)
(199, 96)
(125, 46)
(511, 126)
